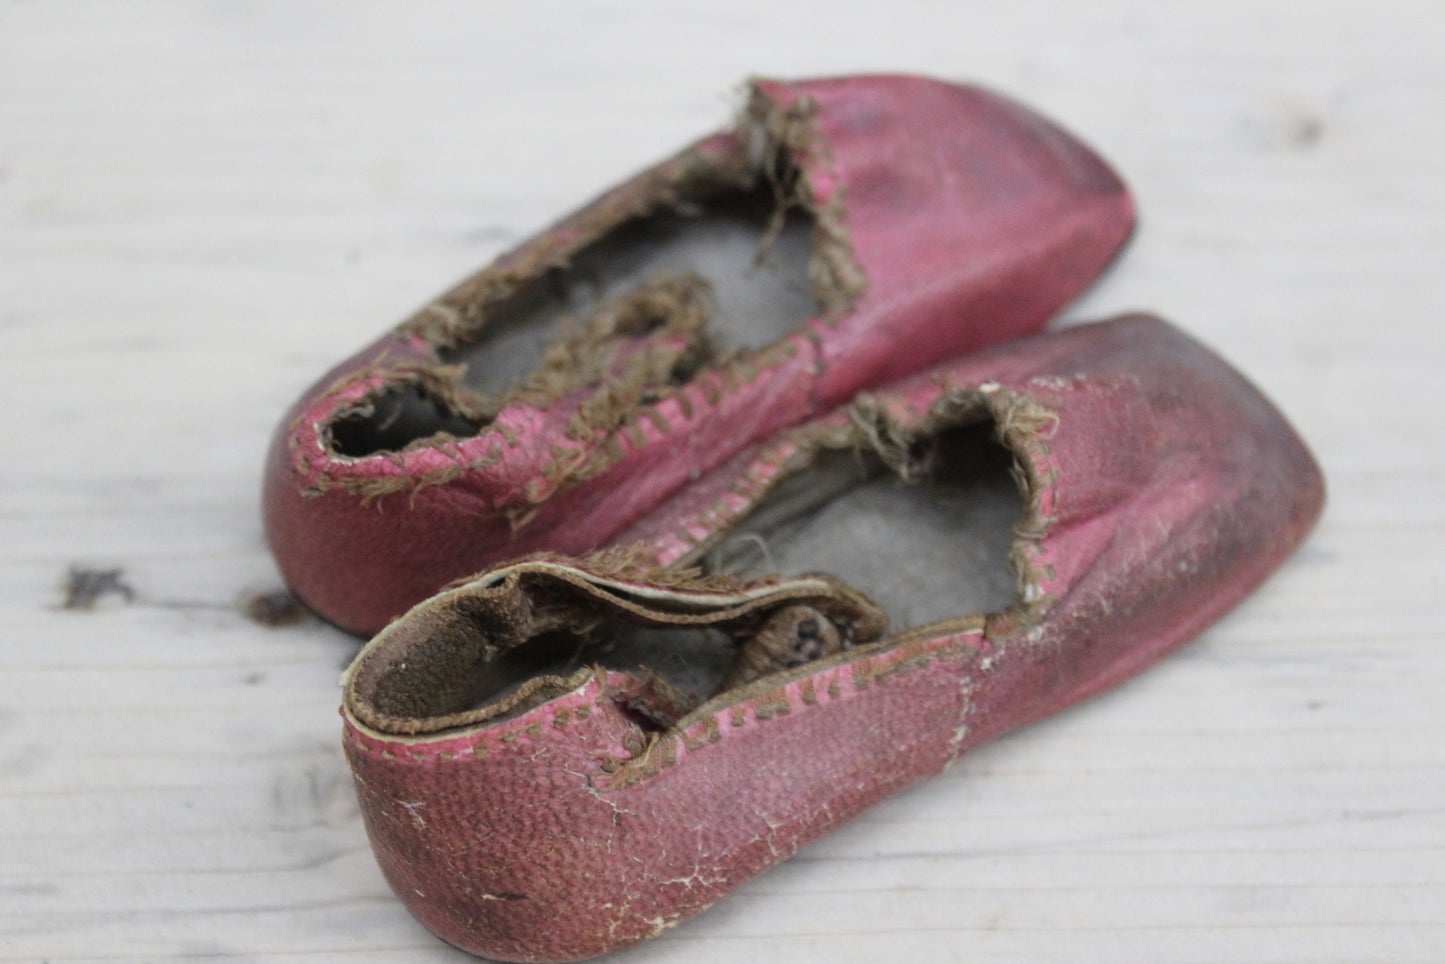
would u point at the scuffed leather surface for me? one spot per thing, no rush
(972, 219)
(1165, 488)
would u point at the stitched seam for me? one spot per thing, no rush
(661, 751)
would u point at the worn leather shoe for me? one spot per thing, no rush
(847, 232)
(560, 757)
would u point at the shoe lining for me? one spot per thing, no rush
(925, 552)
(759, 280)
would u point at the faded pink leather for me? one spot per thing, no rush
(1161, 487)
(953, 219)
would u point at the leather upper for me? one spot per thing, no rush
(1160, 488)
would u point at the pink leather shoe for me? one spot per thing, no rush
(557, 758)
(846, 233)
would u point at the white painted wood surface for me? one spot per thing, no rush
(204, 205)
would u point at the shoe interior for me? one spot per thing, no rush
(755, 265)
(926, 551)
(741, 250)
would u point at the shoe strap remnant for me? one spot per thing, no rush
(427, 671)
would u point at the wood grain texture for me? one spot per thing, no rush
(203, 206)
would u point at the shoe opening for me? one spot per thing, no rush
(725, 269)
(507, 642)
(751, 250)
(929, 543)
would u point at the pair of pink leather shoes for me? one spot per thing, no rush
(772, 349)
